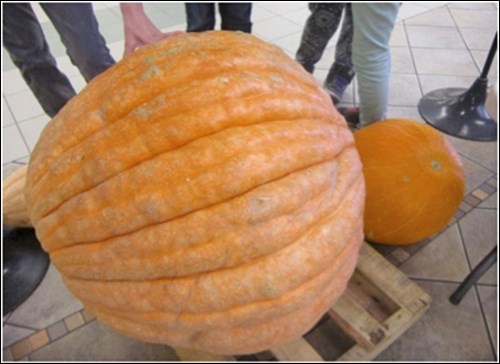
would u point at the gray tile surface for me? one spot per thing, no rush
(407, 82)
(404, 112)
(479, 152)
(50, 303)
(452, 62)
(476, 40)
(479, 230)
(491, 202)
(475, 175)
(430, 83)
(94, 342)
(398, 36)
(13, 334)
(445, 332)
(439, 17)
(489, 301)
(401, 60)
(429, 262)
(471, 18)
(434, 37)
(18, 147)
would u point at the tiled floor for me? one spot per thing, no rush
(434, 45)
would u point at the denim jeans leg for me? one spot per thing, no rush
(200, 16)
(24, 40)
(236, 16)
(79, 31)
(373, 25)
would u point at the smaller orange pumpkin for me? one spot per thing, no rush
(414, 180)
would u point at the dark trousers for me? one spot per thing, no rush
(235, 16)
(25, 42)
(319, 29)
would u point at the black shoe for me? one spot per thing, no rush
(351, 116)
(337, 80)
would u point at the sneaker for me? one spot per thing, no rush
(337, 80)
(335, 97)
(351, 116)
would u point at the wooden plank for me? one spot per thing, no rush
(410, 298)
(398, 324)
(394, 283)
(356, 322)
(371, 298)
(296, 350)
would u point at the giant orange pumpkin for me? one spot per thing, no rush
(414, 180)
(201, 193)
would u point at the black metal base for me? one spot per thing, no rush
(474, 276)
(24, 266)
(460, 112)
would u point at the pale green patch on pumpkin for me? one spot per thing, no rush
(152, 71)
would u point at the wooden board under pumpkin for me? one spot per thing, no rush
(379, 305)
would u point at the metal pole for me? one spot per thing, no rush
(489, 59)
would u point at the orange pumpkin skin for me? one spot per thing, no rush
(414, 180)
(201, 193)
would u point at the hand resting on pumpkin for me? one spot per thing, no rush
(139, 29)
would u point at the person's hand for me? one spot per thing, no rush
(139, 30)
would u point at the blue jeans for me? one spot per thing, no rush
(77, 26)
(235, 16)
(371, 57)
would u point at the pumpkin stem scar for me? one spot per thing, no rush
(436, 165)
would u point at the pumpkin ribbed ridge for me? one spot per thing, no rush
(79, 169)
(207, 171)
(108, 103)
(201, 193)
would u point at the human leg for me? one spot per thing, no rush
(79, 32)
(341, 73)
(24, 40)
(236, 16)
(318, 30)
(373, 24)
(200, 16)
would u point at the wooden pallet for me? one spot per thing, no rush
(379, 305)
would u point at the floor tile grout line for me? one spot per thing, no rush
(46, 328)
(22, 137)
(19, 326)
(476, 162)
(412, 56)
(419, 13)
(485, 321)
(488, 285)
(435, 280)
(32, 118)
(15, 161)
(463, 40)
(464, 246)
(9, 109)
(487, 208)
